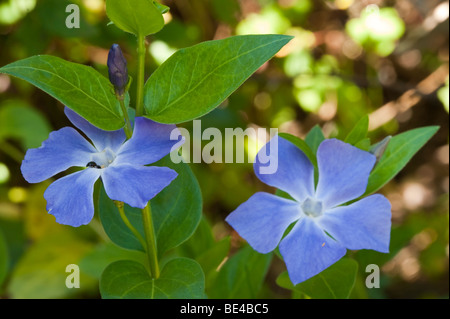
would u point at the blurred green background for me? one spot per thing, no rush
(388, 59)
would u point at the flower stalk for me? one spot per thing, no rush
(140, 76)
(128, 129)
(150, 237)
(127, 222)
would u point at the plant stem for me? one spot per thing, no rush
(140, 76)
(128, 129)
(129, 225)
(151, 241)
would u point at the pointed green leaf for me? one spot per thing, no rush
(162, 8)
(176, 212)
(358, 132)
(301, 144)
(364, 144)
(335, 282)
(400, 150)
(77, 86)
(195, 80)
(139, 17)
(181, 278)
(314, 138)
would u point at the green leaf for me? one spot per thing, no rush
(40, 273)
(335, 282)
(301, 144)
(195, 80)
(20, 121)
(314, 138)
(199, 242)
(162, 8)
(213, 257)
(400, 150)
(139, 17)
(205, 250)
(176, 212)
(95, 262)
(181, 278)
(364, 144)
(359, 132)
(77, 86)
(242, 276)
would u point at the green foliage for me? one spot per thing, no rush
(181, 278)
(242, 275)
(22, 122)
(77, 86)
(176, 212)
(314, 138)
(359, 132)
(44, 265)
(139, 17)
(335, 282)
(330, 79)
(195, 80)
(301, 144)
(400, 150)
(94, 262)
(208, 252)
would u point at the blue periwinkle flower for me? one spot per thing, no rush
(117, 69)
(119, 163)
(324, 228)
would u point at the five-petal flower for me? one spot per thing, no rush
(324, 228)
(119, 163)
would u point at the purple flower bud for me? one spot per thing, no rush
(117, 69)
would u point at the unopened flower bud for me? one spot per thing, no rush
(117, 69)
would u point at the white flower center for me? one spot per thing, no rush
(312, 207)
(102, 159)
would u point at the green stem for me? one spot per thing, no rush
(151, 241)
(128, 129)
(127, 222)
(140, 76)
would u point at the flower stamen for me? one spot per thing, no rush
(102, 159)
(312, 207)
